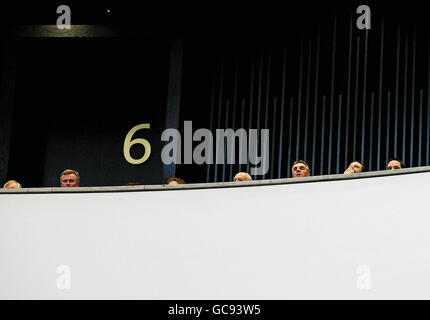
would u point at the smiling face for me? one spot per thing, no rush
(300, 170)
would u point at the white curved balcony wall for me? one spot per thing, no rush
(363, 236)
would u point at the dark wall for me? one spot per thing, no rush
(76, 99)
(340, 93)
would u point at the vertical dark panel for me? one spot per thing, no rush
(211, 127)
(396, 98)
(387, 138)
(174, 95)
(266, 118)
(242, 119)
(260, 86)
(308, 79)
(411, 158)
(378, 156)
(339, 125)
(428, 110)
(357, 63)
(372, 100)
(290, 134)
(236, 79)
(330, 138)
(224, 166)
(348, 95)
(299, 101)
(420, 130)
(281, 135)
(381, 64)
(333, 64)
(314, 139)
(281, 132)
(251, 101)
(220, 98)
(363, 117)
(322, 136)
(7, 89)
(272, 155)
(405, 94)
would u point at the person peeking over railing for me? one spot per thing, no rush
(355, 167)
(12, 184)
(175, 180)
(395, 164)
(300, 169)
(242, 176)
(70, 178)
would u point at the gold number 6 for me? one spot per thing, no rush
(128, 143)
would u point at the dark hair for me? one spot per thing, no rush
(402, 164)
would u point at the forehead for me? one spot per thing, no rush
(355, 163)
(10, 184)
(69, 176)
(240, 175)
(299, 165)
(394, 163)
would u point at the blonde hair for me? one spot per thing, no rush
(70, 171)
(10, 182)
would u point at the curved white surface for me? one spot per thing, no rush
(364, 238)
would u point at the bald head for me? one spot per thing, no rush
(242, 176)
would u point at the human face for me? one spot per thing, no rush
(300, 170)
(12, 185)
(357, 167)
(240, 177)
(394, 165)
(69, 180)
(173, 182)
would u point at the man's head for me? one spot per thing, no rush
(69, 178)
(12, 184)
(300, 169)
(175, 180)
(394, 164)
(242, 176)
(356, 167)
